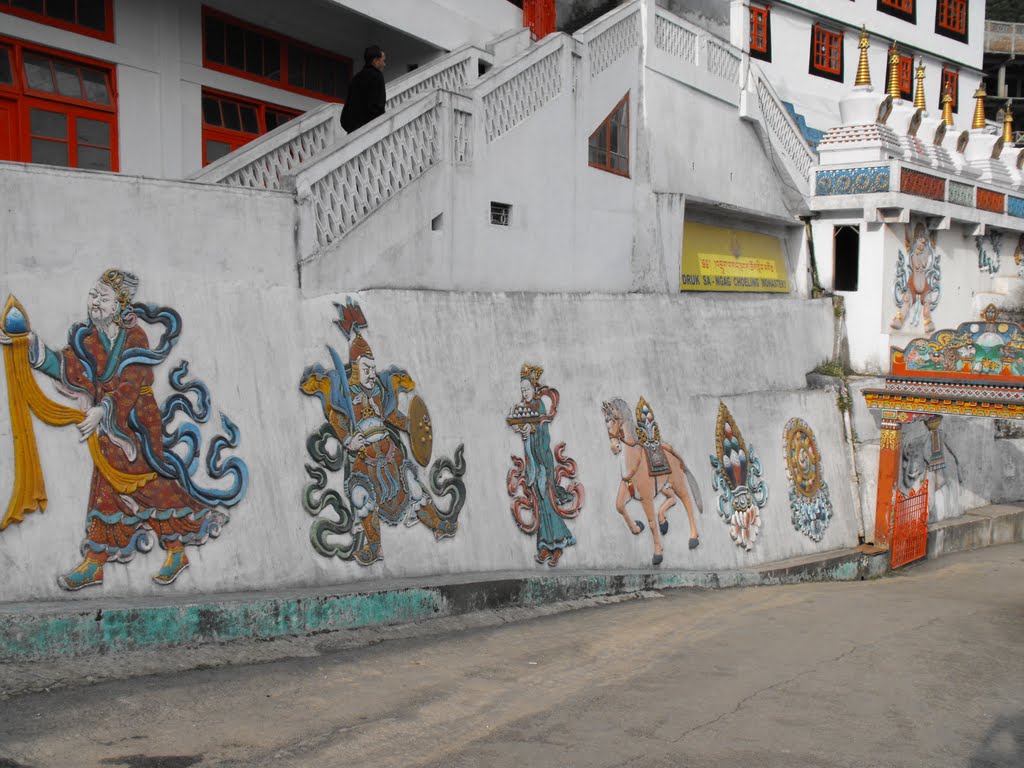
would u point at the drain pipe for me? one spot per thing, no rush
(839, 318)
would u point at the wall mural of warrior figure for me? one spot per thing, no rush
(543, 481)
(737, 474)
(918, 284)
(928, 463)
(145, 454)
(809, 499)
(649, 467)
(361, 408)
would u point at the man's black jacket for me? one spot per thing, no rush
(366, 98)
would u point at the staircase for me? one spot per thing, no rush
(461, 104)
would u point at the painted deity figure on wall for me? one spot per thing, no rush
(145, 453)
(737, 474)
(372, 441)
(809, 500)
(917, 288)
(649, 467)
(929, 462)
(1018, 256)
(543, 482)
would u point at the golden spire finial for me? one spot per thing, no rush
(919, 102)
(1008, 123)
(863, 72)
(947, 104)
(893, 86)
(979, 108)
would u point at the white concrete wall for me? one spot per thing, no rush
(817, 98)
(225, 260)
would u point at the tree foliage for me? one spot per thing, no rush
(1005, 10)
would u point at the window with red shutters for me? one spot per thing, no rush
(239, 48)
(56, 108)
(230, 122)
(951, 76)
(901, 9)
(826, 53)
(760, 33)
(87, 17)
(906, 76)
(951, 19)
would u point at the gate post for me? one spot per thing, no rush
(888, 473)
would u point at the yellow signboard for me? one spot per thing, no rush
(720, 259)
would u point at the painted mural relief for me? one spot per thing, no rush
(1018, 256)
(989, 348)
(928, 464)
(989, 247)
(809, 499)
(918, 283)
(368, 437)
(737, 475)
(542, 483)
(146, 455)
(649, 468)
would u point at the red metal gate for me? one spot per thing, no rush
(909, 527)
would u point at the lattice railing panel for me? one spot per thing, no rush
(514, 101)
(676, 40)
(350, 193)
(785, 136)
(453, 78)
(722, 61)
(267, 171)
(614, 43)
(463, 136)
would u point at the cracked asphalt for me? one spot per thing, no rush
(923, 668)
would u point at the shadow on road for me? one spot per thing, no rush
(1003, 745)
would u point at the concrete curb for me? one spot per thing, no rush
(983, 527)
(34, 631)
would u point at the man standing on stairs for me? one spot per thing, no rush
(366, 92)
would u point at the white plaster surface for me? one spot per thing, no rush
(225, 260)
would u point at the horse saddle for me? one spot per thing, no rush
(657, 461)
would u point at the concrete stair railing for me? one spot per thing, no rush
(263, 163)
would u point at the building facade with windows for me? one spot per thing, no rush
(160, 87)
(809, 50)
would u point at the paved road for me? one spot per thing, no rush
(925, 668)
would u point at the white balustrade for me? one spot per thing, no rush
(523, 87)
(672, 37)
(611, 37)
(722, 59)
(783, 132)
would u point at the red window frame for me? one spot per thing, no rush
(760, 41)
(952, 76)
(901, 9)
(283, 47)
(27, 99)
(106, 34)
(951, 19)
(824, 43)
(239, 138)
(606, 128)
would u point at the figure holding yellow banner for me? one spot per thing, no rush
(144, 454)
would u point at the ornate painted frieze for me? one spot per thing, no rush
(380, 450)
(918, 284)
(543, 484)
(991, 201)
(961, 194)
(980, 349)
(809, 499)
(1015, 206)
(146, 485)
(922, 184)
(852, 181)
(989, 247)
(649, 468)
(736, 474)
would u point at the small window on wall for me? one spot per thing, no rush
(846, 266)
(609, 145)
(905, 74)
(901, 9)
(230, 123)
(87, 17)
(952, 77)
(826, 53)
(760, 33)
(56, 108)
(951, 19)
